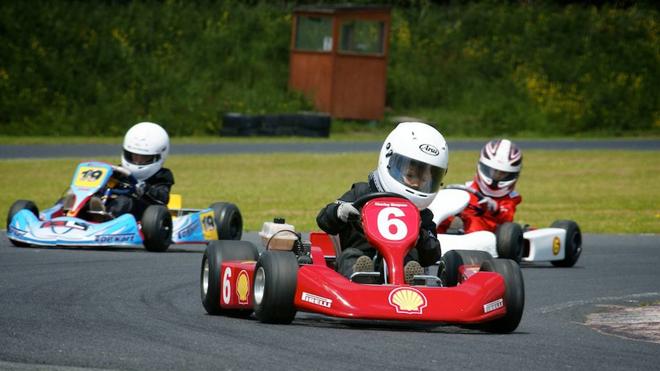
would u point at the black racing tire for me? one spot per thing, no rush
(275, 280)
(228, 221)
(157, 228)
(210, 285)
(510, 241)
(514, 295)
(453, 259)
(573, 243)
(448, 268)
(13, 210)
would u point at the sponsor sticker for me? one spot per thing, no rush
(556, 244)
(317, 300)
(188, 230)
(243, 287)
(114, 238)
(407, 300)
(499, 303)
(429, 149)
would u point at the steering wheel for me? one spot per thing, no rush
(125, 180)
(370, 196)
(480, 196)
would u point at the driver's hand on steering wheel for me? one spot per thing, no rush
(347, 212)
(489, 203)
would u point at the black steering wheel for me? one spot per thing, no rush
(370, 196)
(125, 180)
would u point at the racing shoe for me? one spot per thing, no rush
(363, 264)
(412, 269)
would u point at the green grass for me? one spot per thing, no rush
(605, 192)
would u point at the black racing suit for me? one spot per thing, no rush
(353, 243)
(156, 192)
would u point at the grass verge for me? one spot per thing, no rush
(604, 192)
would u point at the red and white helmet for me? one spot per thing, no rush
(499, 167)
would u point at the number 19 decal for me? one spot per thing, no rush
(389, 226)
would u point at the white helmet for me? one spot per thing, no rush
(498, 168)
(413, 162)
(146, 146)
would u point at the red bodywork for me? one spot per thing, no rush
(392, 226)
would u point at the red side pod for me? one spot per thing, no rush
(236, 281)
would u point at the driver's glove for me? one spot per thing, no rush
(140, 188)
(489, 204)
(346, 211)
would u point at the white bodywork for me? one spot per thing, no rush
(545, 244)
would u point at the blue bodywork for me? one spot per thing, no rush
(46, 230)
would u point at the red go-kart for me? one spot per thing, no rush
(485, 292)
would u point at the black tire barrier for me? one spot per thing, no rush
(290, 124)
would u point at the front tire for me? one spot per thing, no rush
(510, 241)
(228, 221)
(514, 295)
(209, 283)
(573, 242)
(453, 259)
(275, 280)
(14, 209)
(157, 228)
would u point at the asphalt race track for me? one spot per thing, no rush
(8, 151)
(64, 309)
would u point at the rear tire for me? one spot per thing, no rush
(510, 241)
(573, 243)
(228, 221)
(13, 210)
(209, 281)
(157, 228)
(275, 281)
(514, 295)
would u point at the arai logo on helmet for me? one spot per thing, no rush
(429, 149)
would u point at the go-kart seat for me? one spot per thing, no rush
(328, 243)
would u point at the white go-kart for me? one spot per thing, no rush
(561, 244)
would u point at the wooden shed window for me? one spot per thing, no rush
(362, 37)
(314, 33)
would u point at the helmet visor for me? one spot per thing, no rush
(417, 175)
(497, 175)
(139, 159)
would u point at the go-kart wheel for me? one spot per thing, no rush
(573, 243)
(510, 241)
(14, 209)
(275, 280)
(228, 221)
(514, 295)
(157, 228)
(453, 259)
(209, 283)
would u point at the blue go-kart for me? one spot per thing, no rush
(80, 218)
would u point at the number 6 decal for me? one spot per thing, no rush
(387, 220)
(226, 286)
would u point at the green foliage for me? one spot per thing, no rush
(497, 68)
(76, 67)
(475, 68)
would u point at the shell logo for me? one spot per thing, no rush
(243, 287)
(407, 300)
(556, 244)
